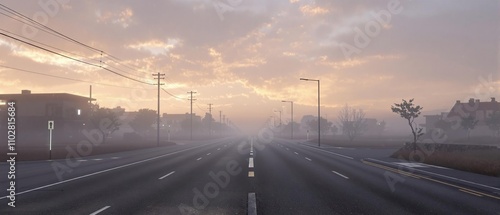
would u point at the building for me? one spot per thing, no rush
(479, 110)
(173, 122)
(432, 121)
(56, 106)
(34, 110)
(450, 122)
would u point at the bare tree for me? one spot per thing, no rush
(351, 121)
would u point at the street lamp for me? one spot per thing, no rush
(319, 115)
(280, 115)
(291, 102)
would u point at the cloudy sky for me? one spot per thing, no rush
(245, 56)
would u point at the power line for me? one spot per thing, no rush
(61, 35)
(177, 97)
(66, 78)
(43, 44)
(44, 28)
(204, 110)
(72, 58)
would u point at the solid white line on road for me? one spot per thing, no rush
(296, 153)
(333, 153)
(252, 204)
(97, 159)
(103, 171)
(250, 163)
(343, 176)
(115, 157)
(199, 158)
(209, 153)
(251, 174)
(309, 159)
(82, 160)
(218, 149)
(100, 210)
(166, 175)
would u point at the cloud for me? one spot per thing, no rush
(122, 18)
(312, 10)
(156, 47)
(434, 51)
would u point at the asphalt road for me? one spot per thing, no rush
(234, 176)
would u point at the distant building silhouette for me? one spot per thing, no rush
(173, 122)
(373, 127)
(450, 121)
(69, 113)
(304, 122)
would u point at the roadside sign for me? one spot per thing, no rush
(51, 124)
(51, 127)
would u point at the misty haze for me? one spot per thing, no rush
(250, 107)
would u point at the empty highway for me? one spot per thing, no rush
(236, 176)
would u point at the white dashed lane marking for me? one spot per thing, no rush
(166, 175)
(343, 176)
(100, 210)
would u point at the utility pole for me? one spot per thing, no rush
(191, 99)
(220, 122)
(210, 122)
(158, 77)
(319, 118)
(291, 117)
(90, 101)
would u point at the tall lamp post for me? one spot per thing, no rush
(280, 115)
(291, 102)
(319, 113)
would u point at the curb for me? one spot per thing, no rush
(482, 187)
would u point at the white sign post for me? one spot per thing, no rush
(51, 127)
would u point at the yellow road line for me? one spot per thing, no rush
(472, 193)
(463, 189)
